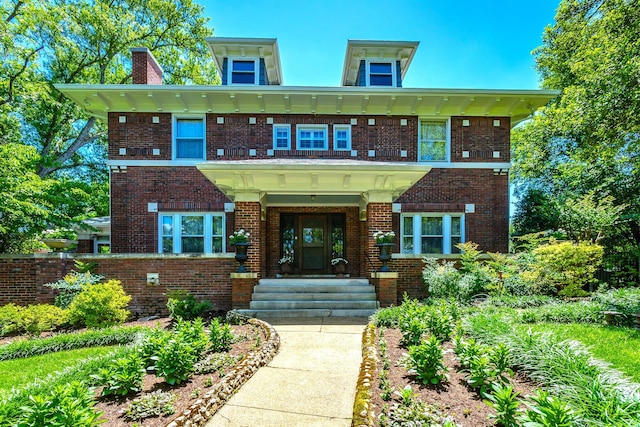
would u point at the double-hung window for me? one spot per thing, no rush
(189, 141)
(312, 137)
(381, 74)
(434, 141)
(341, 137)
(431, 233)
(191, 233)
(243, 71)
(281, 137)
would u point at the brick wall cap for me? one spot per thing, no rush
(384, 275)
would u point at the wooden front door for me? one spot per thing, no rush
(313, 246)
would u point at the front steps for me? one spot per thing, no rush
(315, 297)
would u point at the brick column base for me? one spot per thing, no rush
(241, 289)
(386, 284)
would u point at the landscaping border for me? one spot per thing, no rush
(203, 409)
(363, 414)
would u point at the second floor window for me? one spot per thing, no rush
(281, 137)
(189, 138)
(434, 141)
(312, 137)
(244, 71)
(341, 137)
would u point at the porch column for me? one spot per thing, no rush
(248, 216)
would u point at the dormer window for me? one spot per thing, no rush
(381, 73)
(243, 71)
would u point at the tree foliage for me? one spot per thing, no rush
(53, 152)
(587, 140)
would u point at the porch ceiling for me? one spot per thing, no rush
(328, 181)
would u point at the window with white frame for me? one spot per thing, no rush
(342, 137)
(189, 141)
(243, 71)
(281, 137)
(191, 233)
(311, 137)
(431, 233)
(433, 145)
(381, 73)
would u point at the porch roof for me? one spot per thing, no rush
(312, 181)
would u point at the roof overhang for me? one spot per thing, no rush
(227, 47)
(312, 181)
(358, 50)
(99, 100)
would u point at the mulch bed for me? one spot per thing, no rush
(186, 394)
(453, 398)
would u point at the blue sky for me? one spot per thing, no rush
(463, 44)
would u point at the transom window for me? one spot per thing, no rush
(431, 233)
(312, 137)
(189, 141)
(243, 71)
(434, 141)
(381, 74)
(281, 137)
(191, 233)
(342, 137)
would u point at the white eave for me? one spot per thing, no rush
(358, 50)
(240, 47)
(99, 100)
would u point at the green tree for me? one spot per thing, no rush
(587, 140)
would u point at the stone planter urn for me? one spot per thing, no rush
(340, 269)
(286, 268)
(241, 256)
(385, 255)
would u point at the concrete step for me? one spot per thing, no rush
(369, 295)
(321, 312)
(330, 281)
(296, 305)
(286, 289)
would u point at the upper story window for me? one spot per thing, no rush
(342, 137)
(434, 141)
(428, 233)
(191, 233)
(243, 71)
(381, 73)
(189, 141)
(312, 137)
(282, 137)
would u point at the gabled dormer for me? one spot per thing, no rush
(246, 61)
(377, 63)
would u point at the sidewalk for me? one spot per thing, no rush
(310, 382)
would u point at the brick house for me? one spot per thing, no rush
(311, 172)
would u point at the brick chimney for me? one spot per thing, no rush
(144, 67)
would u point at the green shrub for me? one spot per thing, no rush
(221, 336)
(151, 345)
(444, 281)
(575, 312)
(387, 317)
(70, 341)
(565, 267)
(122, 376)
(181, 304)
(150, 405)
(625, 300)
(525, 301)
(71, 285)
(174, 361)
(100, 305)
(545, 410)
(505, 402)
(426, 362)
(64, 405)
(193, 333)
(39, 318)
(10, 318)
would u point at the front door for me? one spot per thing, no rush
(313, 249)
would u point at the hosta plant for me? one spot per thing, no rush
(151, 405)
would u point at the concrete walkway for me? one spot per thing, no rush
(310, 382)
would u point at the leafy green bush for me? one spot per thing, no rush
(122, 376)
(574, 312)
(625, 300)
(181, 304)
(444, 281)
(151, 345)
(150, 405)
(100, 305)
(413, 328)
(70, 341)
(546, 410)
(193, 333)
(505, 402)
(71, 285)
(10, 318)
(426, 362)
(64, 405)
(565, 267)
(221, 336)
(387, 317)
(174, 361)
(525, 301)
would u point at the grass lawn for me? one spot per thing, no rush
(18, 372)
(618, 346)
